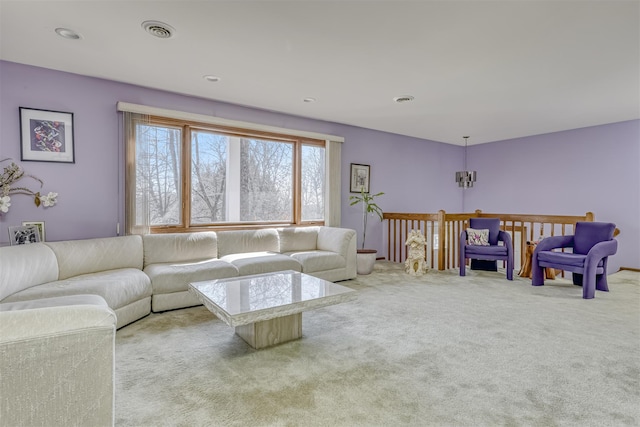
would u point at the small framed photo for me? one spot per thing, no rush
(23, 235)
(359, 178)
(39, 225)
(46, 136)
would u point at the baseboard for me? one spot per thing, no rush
(630, 269)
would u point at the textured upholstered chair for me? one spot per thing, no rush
(474, 245)
(592, 244)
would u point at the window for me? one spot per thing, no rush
(191, 175)
(158, 171)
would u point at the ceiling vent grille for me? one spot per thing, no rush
(158, 29)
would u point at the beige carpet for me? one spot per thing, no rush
(438, 350)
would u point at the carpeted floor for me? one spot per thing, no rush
(437, 350)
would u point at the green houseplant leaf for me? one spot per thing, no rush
(368, 206)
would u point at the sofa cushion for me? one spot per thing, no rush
(179, 247)
(243, 241)
(296, 239)
(313, 261)
(77, 257)
(175, 277)
(24, 266)
(262, 262)
(118, 287)
(54, 302)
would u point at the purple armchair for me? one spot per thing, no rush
(492, 252)
(592, 244)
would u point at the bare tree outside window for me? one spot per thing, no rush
(208, 177)
(232, 177)
(266, 184)
(158, 172)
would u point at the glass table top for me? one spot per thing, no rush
(285, 291)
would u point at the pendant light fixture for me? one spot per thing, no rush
(465, 178)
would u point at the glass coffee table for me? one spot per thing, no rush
(266, 309)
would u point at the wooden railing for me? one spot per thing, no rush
(399, 225)
(442, 232)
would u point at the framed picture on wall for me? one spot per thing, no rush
(23, 235)
(39, 225)
(360, 178)
(46, 136)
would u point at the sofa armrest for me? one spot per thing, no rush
(343, 242)
(20, 325)
(57, 366)
(335, 239)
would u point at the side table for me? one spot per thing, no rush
(525, 271)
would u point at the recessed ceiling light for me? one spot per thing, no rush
(67, 33)
(404, 98)
(211, 78)
(158, 29)
(309, 99)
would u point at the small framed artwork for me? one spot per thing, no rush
(23, 235)
(37, 224)
(360, 178)
(46, 136)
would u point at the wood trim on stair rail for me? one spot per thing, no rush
(442, 230)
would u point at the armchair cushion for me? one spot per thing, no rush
(486, 250)
(565, 258)
(587, 234)
(478, 237)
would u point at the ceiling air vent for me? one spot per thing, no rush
(158, 29)
(405, 98)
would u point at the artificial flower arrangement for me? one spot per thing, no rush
(12, 174)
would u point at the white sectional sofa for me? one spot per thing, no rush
(136, 275)
(61, 302)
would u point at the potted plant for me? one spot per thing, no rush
(366, 258)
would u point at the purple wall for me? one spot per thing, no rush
(566, 173)
(409, 171)
(416, 175)
(90, 201)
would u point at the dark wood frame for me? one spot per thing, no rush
(34, 149)
(354, 186)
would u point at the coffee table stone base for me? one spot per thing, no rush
(267, 333)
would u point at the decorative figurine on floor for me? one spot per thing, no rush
(415, 264)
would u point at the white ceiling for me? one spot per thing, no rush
(493, 70)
